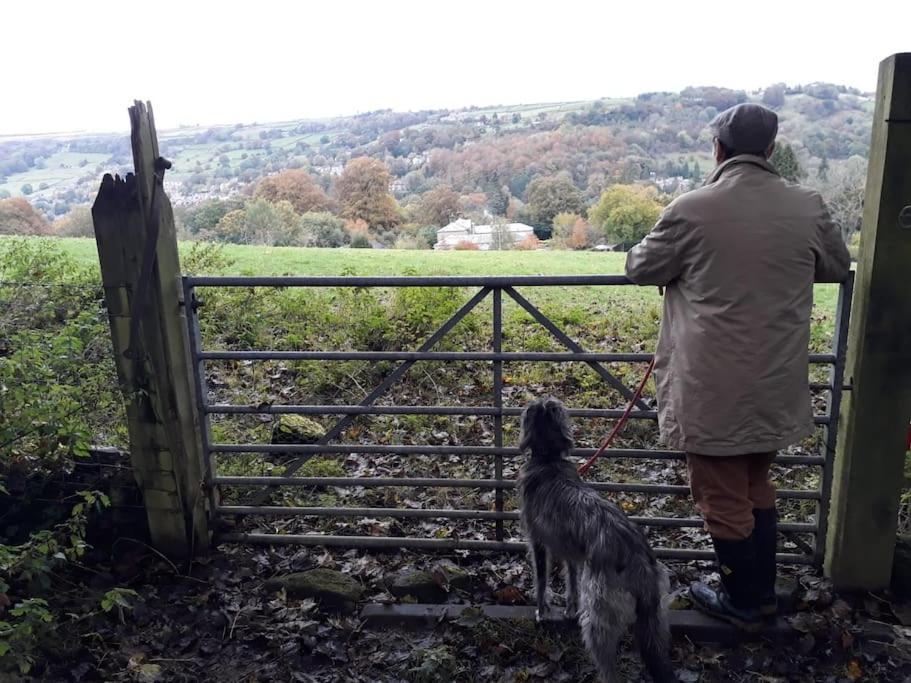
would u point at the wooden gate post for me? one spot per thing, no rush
(875, 415)
(153, 367)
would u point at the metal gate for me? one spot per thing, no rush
(495, 288)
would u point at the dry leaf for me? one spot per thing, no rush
(510, 595)
(853, 670)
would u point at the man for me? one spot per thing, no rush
(738, 258)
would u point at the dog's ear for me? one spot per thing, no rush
(527, 423)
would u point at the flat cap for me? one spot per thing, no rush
(746, 128)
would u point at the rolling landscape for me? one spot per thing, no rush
(522, 162)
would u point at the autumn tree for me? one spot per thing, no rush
(571, 231)
(548, 196)
(77, 223)
(438, 207)
(363, 194)
(626, 213)
(18, 217)
(295, 186)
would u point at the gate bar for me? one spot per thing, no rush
(498, 404)
(421, 513)
(349, 482)
(401, 449)
(270, 409)
(389, 380)
(510, 356)
(833, 410)
(489, 281)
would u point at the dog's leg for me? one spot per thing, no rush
(601, 639)
(539, 558)
(571, 576)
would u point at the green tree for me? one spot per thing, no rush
(785, 162)
(625, 213)
(428, 234)
(203, 217)
(261, 222)
(323, 230)
(26, 189)
(360, 241)
(497, 200)
(545, 197)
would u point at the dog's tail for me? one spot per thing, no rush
(652, 632)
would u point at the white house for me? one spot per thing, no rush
(497, 236)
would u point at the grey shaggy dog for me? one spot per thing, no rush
(567, 521)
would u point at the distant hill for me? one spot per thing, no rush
(494, 151)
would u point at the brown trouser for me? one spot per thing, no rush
(727, 488)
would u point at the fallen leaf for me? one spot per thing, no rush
(509, 595)
(149, 673)
(470, 617)
(841, 609)
(853, 670)
(808, 622)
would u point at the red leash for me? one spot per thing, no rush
(622, 421)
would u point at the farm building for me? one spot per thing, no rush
(486, 237)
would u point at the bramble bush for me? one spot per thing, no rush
(57, 390)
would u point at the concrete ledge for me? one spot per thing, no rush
(695, 625)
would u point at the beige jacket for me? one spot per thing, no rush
(738, 257)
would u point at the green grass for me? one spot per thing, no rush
(258, 260)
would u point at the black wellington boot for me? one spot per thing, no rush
(738, 600)
(765, 535)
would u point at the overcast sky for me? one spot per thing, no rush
(77, 65)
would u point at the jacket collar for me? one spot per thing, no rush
(742, 161)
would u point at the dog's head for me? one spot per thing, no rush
(546, 429)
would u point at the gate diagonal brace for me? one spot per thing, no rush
(568, 342)
(386, 384)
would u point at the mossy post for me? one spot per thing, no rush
(875, 414)
(141, 278)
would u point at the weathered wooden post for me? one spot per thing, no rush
(140, 270)
(875, 415)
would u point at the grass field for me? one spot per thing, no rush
(259, 260)
(61, 167)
